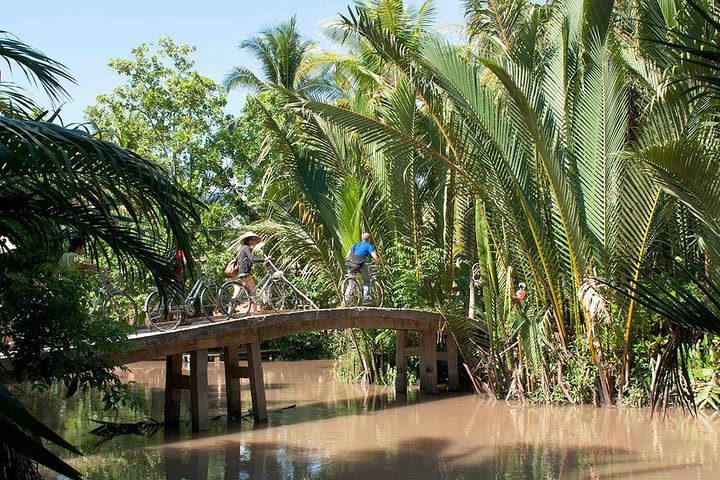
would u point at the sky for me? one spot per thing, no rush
(84, 34)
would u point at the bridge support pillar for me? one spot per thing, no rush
(231, 358)
(196, 382)
(428, 361)
(173, 389)
(199, 390)
(257, 383)
(452, 363)
(401, 362)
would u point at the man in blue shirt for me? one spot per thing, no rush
(356, 261)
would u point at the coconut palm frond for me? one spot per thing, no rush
(37, 67)
(23, 433)
(53, 178)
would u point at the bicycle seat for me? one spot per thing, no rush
(243, 275)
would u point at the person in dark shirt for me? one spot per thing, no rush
(245, 261)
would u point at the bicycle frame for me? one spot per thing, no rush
(188, 300)
(103, 292)
(195, 291)
(262, 287)
(348, 292)
(274, 274)
(372, 270)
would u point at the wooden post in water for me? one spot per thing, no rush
(173, 392)
(428, 361)
(400, 362)
(232, 380)
(199, 390)
(257, 383)
(452, 362)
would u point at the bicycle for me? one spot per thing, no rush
(114, 303)
(273, 290)
(167, 314)
(352, 291)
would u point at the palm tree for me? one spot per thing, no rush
(555, 150)
(281, 52)
(565, 191)
(53, 179)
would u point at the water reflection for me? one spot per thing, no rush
(346, 431)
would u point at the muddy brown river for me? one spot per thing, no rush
(341, 431)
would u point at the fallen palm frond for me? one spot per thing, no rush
(110, 430)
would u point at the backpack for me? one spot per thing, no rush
(354, 261)
(231, 268)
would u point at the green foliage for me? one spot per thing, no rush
(545, 151)
(414, 288)
(169, 113)
(281, 52)
(54, 339)
(704, 370)
(55, 180)
(38, 69)
(303, 346)
(173, 115)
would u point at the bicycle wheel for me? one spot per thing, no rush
(281, 296)
(234, 299)
(120, 307)
(209, 302)
(163, 314)
(351, 292)
(376, 294)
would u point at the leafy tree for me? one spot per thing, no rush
(54, 180)
(169, 113)
(172, 114)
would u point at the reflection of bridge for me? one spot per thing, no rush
(250, 331)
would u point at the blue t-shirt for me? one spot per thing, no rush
(363, 248)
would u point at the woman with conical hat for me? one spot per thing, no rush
(245, 260)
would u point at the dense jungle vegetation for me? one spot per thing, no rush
(571, 145)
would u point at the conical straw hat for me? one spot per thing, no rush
(247, 235)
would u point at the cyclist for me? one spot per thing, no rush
(245, 261)
(356, 262)
(73, 259)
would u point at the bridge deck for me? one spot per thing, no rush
(204, 334)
